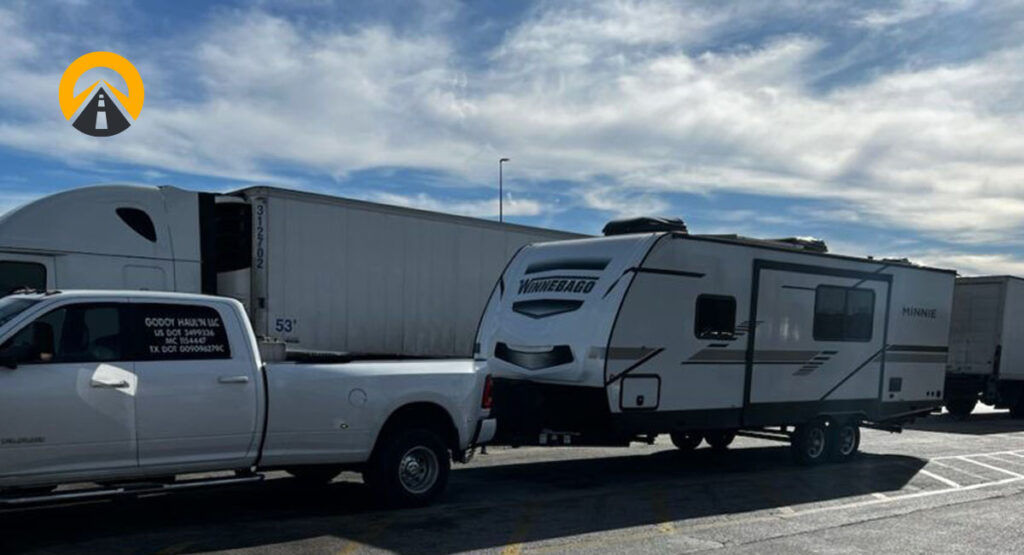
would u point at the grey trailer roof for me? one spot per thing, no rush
(785, 247)
(277, 192)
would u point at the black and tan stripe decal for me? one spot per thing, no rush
(619, 353)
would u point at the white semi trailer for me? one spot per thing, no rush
(986, 345)
(320, 273)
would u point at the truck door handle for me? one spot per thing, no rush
(110, 385)
(233, 379)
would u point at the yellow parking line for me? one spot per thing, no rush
(661, 513)
(515, 544)
(174, 549)
(371, 533)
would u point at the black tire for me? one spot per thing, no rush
(961, 407)
(1017, 409)
(809, 442)
(409, 468)
(686, 441)
(719, 439)
(314, 475)
(843, 440)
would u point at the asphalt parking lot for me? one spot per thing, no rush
(942, 485)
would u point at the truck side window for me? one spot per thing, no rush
(180, 332)
(19, 275)
(843, 313)
(78, 333)
(715, 317)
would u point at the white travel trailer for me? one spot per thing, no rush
(986, 345)
(616, 339)
(319, 273)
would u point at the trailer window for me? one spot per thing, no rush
(180, 332)
(843, 313)
(715, 317)
(139, 221)
(21, 275)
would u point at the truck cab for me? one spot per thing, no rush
(129, 387)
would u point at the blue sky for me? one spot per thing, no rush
(886, 128)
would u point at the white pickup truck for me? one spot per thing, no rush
(140, 391)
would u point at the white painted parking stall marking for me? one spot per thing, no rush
(989, 466)
(959, 471)
(935, 476)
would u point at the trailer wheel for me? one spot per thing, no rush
(686, 441)
(843, 440)
(961, 407)
(315, 475)
(410, 468)
(809, 442)
(719, 439)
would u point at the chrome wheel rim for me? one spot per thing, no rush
(847, 440)
(418, 470)
(815, 442)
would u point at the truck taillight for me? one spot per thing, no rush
(487, 401)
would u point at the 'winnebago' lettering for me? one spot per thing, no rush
(918, 312)
(557, 285)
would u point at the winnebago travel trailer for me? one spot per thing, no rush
(604, 341)
(317, 272)
(986, 345)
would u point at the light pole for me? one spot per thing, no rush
(501, 192)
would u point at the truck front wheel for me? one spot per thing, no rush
(410, 468)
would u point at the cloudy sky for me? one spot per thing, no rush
(886, 128)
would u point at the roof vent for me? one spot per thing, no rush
(644, 224)
(811, 244)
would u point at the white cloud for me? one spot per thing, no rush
(909, 10)
(970, 264)
(477, 209)
(614, 92)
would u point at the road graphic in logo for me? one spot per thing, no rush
(102, 115)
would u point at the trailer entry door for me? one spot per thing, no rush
(817, 335)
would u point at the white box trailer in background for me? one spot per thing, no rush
(320, 273)
(986, 345)
(608, 340)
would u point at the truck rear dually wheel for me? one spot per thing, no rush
(410, 468)
(809, 442)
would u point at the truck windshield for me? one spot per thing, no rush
(13, 306)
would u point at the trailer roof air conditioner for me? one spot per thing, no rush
(645, 224)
